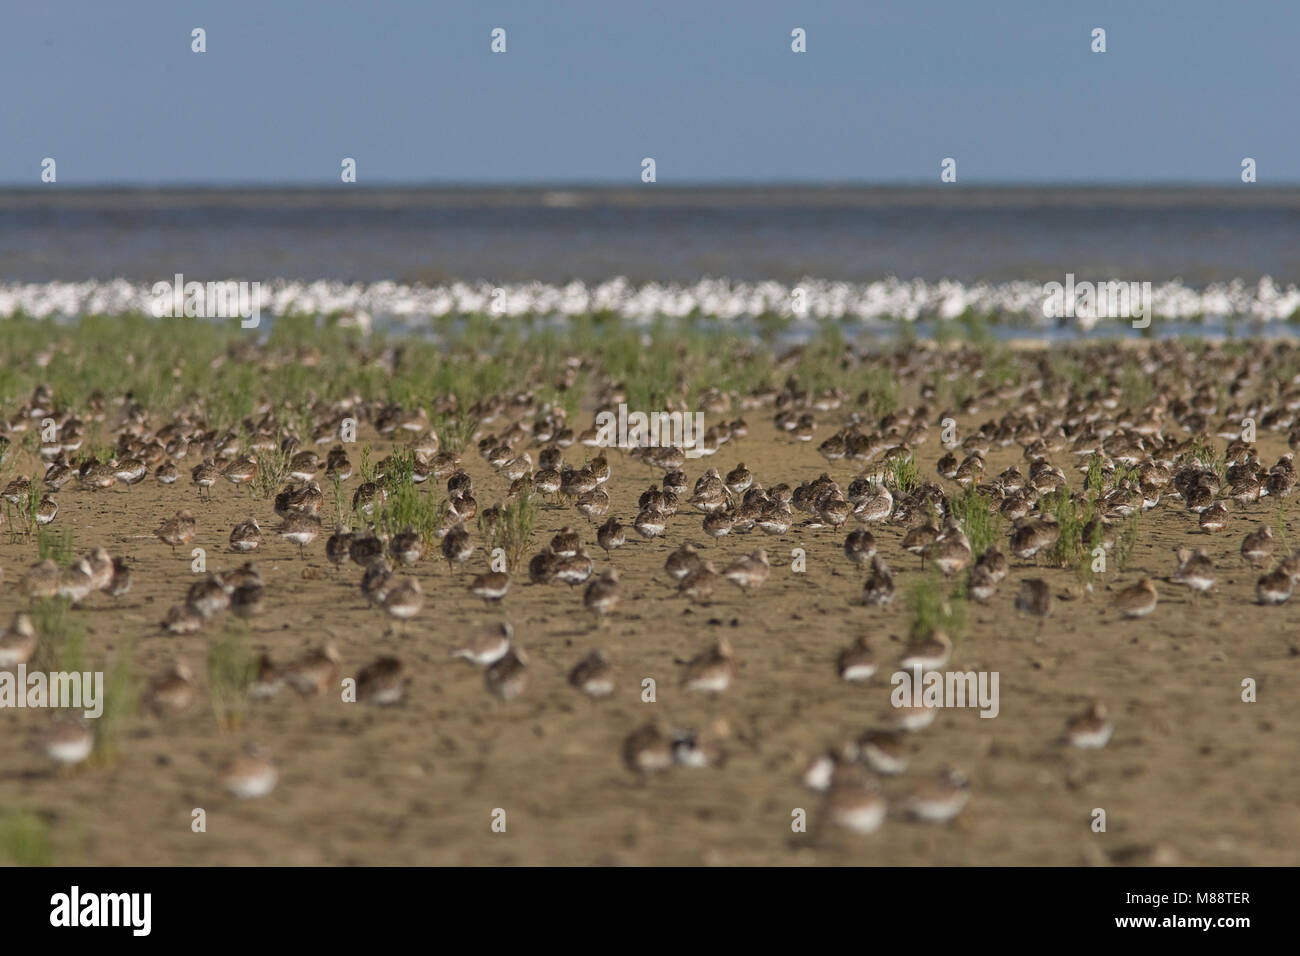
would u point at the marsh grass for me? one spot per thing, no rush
(342, 508)
(1094, 482)
(121, 701)
(1126, 541)
(930, 608)
(878, 386)
(25, 839)
(56, 545)
(232, 665)
(903, 475)
(406, 506)
(272, 470)
(1205, 453)
(62, 645)
(981, 524)
(1073, 549)
(513, 533)
(456, 431)
(1135, 384)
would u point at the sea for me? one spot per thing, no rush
(1213, 257)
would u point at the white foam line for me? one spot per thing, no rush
(885, 299)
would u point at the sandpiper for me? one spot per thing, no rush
(603, 594)
(316, 672)
(876, 504)
(739, 479)
(860, 547)
(47, 510)
(855, 802)
(593, 504)
(182, 619)
(566, 542)
(173, 691)
(407, 547)
(491, 586)
(611, 535)
(301, 530)
(1091, 729)
(382, 682)
(403, 599)
(18, 641)
(878, 589)
(697, 750)
(250, 774)
(710, 493)
(1031, 537)
(883, 751)
(938, 799)
(648, 750)
(247, 601)
(364, 548)
(1195, 570)
(593, 675)
(42, 580)
(820, 772)
(1257, 546)
(929, 653)
(241, 471)
(711, 671)
(699, 584)
(76, 582)
(208, 596)
(1034, 597)
(749, 571)
(246, 536)
(177, 530)
(304, 465)
(130, 471)
(17, 490)
(457, 547)
(507, 678)
(338, 546)
(205, 475)
(69, 743)
(682, 562)
(1214, 518)
(1275, 587)
(101, 569)
(573, 570)
(266, 683)
(915, 716)
(856, 663)
(1137, 600)
(919, 539)
(487, 646)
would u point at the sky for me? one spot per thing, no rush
(586, 90)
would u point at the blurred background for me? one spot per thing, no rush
(769, 164)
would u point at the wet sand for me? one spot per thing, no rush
(1192, 775)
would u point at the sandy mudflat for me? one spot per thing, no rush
(1192, 776)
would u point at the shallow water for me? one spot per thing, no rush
(651, 234)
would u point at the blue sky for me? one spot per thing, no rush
(711, 90)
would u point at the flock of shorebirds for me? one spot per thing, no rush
(1159, 453)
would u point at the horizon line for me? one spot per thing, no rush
(612, 185)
